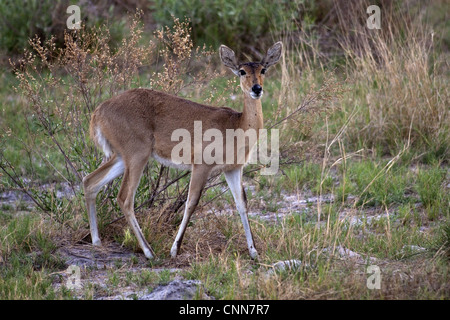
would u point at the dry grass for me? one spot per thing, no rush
(399, 79)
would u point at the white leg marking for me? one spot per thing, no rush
(115, 171)
(234, 180)
(181, 230)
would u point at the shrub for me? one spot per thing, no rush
(22, 20)
(238, 24)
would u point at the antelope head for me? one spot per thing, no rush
(251, 74)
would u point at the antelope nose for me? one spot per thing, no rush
(257, 89)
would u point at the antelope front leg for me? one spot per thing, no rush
(198, 180)
(234, 180)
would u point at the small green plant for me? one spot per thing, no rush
(113, 279)
(164, 277)
(431, 191)
(377, 184)
(441, 246)
(302, 177)
(129, 240)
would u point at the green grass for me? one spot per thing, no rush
(19, 131)
(385, 188)
(429, 186)
(28, 244)
(303, 177)
(27, 259)
(234, 276)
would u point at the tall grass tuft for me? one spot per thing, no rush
(400, 89)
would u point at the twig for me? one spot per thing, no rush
(301, 107)
(21, 186)
(163, 189)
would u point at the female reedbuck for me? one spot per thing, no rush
(138, 124)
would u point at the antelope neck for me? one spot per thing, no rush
(252, 116)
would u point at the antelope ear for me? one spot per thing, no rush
(228, 58)
(273, 55)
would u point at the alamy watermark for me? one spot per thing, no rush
(374, 20)
(73, 22)
(374, 280)
(211, 147)
(74, 278)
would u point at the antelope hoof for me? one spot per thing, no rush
(253, 253)
(174, 250)
(148, 253)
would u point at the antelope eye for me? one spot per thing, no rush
(263, 71)
(242, 72)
